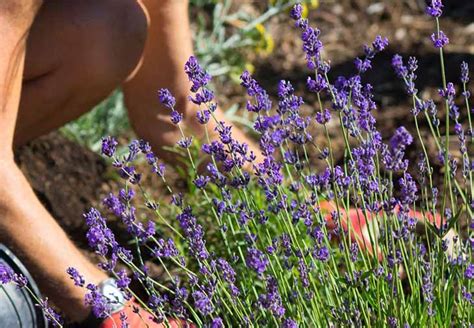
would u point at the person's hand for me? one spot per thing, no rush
(136, 317)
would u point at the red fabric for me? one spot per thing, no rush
(142, 319)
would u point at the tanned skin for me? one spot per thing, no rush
(58, 58)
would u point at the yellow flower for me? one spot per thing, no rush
(249, 67)
(304, 13)
(266, 44)
(314, 4)
(261, 29)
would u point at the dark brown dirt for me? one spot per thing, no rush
(66, 177)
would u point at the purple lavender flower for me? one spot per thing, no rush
(249, 83)
(296, 11)
(155, 301)
(449, 92)
(464, 72)
(194, 234)
(196, 75)
(165, 249)
(177, 200)
(288, 102)
(469, 273)
(203, 303)
(123, 281)
(203, 116)
(408, 190)
(129, 173)
(271, 299)
(6, 274)
(397, 64)
(323, 117)
(401, 139)
(159, 169)
(201, 181)
(225, 133)
(289, 323)
(380, 43)
(166, 98)
(392, 322)
(393, 156)
(427, 287)
(407, 73)
(74, 275)
(435, 9)
(203, 96)
(321, 253)
(177, 300)
(312, 46)
(114, 205)
(303, 270)
(123, 320)
(126, 195)
(257, 260)
(176, 117)
(217, 323)
(439, 40)
(185, 142)
(19, 280)
(101, 307)
(51, 315)
(467, 296)
(316, 85)
(354, 251)
(133, 151)
(226, 271)
(262, 100)
(100, 237)
(109, 145)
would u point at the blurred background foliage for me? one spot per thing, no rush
(228, 35)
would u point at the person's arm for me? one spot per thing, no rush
(25, 226)
(168, 47)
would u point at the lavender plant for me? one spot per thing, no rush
(276, 243)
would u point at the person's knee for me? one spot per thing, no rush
(121, 28)
(97, 41)
(128, 30)
(78, 52)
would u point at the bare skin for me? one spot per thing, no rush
(25, 225)
(55, 64)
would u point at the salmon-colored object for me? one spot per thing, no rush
(362, 226)
(137, 317)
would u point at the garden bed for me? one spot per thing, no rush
(69, 179)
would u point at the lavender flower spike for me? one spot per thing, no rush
(440, 40)
(166, 98)
(109, 146)
(196, 74)
(435, 9)
(296, 12)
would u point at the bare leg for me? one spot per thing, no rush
(25, 226)
(77, 53)
(167, 49)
